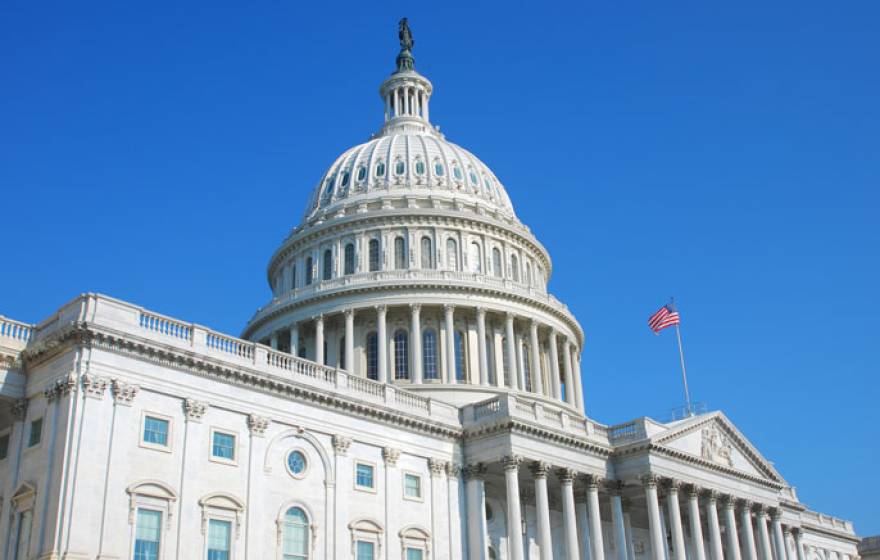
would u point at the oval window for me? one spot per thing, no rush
(296, 463)
(438, 169)
(420, 168)
(487, 185)
(457, 172)
(399, 168)
(474, 179)
(380, 170)
(345, 178)
(362, 172)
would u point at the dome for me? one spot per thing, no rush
(401, 163)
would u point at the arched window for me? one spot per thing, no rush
(497, 268)
(475, 258)
(459, 356)
(399, 167)
(429, 354)
(328, 265)
(427, 253)
(349, 258)
(451, 254)
(473, 178)
(420, 167)
(514, 268)
(374, 255)
(399, 253)
(295, 535)
(438, 169)
(456, 170)
(380, 169)
(373, 356)
(401, 354)
(345, 177)
(528, 273)
(527, 366)
(310, 266)
(328, 191)
(362, 173)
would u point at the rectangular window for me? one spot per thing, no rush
(23, 535)
(36, 432)
(412, 486)
(4, 446)
(219, 537)
(364, 476)
(156, 431)
(223, 446)
(365, 550)
(414, 553)
(148, 533)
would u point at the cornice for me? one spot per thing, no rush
(516, 426)
(87, 335)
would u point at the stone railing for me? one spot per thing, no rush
(827, 521)
(534, 411)
(15, 332)
(130, 319)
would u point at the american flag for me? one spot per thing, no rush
(666, 316)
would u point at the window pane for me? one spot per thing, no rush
(349, 259)
(4, 446)
(427, 254)
(296, 462)
(218, 539)
(155, 431)
(451, 254)
(224, 446)
(373, 356)
(429, 353)
(412, 486)
(413, 554)
(476, 264)
(296, 534)
(364, 550)
(459, 355)
(328, 265)
(374, 255)
(401, 355)
(365, 476)
(147, 534)
(309, 270)
(36, 432)
(399, 253)
(496, 263)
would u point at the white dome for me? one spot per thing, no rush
(399, 162)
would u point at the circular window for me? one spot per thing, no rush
(296, 463)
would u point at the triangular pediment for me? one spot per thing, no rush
(714, 439)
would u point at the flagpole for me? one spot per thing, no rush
(687, 396)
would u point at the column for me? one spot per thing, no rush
(387, 107)
(569, 521)
(319, 339)
(696, 526)
(799, 545)
(476, 511)
(583, 522)
(597, 546)
(763, 533)
(349, 341)
(619, 523)
(294, 339)
(449, 310)
(745, 523)
(416, 342)
(382, 337)
(714, 528)
(481, 346)
(520, 364)
(627, 524)
(514, 515)
(569, 379)
(554, 365)
(542, 505)
(658, 541)
(675, 520)
(778, 536)
(578, 388)
(730, 526)
(511, 352)
(537, 378)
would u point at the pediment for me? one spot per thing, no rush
(714, 439)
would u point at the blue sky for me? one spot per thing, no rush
(724, 154)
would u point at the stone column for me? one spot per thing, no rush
(696, 526)
(781, 553)
(750, 551)
(799, 545)
(449, 310)
(591, 491)
(554, 365)
(569, 377)
(619, 522)
(511, 352)
(569, 519)
(514, 515)
(674, 510)
(658, 540)
(476, 511)
(579, 391)
(319, 339)
(714, 527)
(349, 341)
(416, 342)
(627, 524)
(787, 538)
(381, 335)
(294, 339)
(763, 533)
(542, 505)
(537, 378)
(729, 503)
(481, 346)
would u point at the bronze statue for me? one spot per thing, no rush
(405, 35)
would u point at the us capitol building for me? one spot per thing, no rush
(411, 391)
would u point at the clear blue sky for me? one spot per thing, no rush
(724, 154)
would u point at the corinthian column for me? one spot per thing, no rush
(745, 522)
(675, 520)
(763, 533)
(349, 341)
(535, 355)
(730, 525)
(514, 514)
(696, 526)
(476, 511)
(569, 377)
(382, 337)
(714, 527)
(657, 538)
(569, 519)
(481, 345)
(449, 310)
(511, 352)
(554, 365)
(781, 552)
(319, 339)
(618, 520)
(542, 505)
(416, 330)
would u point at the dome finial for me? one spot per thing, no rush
(405, 60)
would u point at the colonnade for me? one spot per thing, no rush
(406, 101)
(534, 357)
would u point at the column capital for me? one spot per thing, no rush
(19, 409)
(650, 480)
(540, 469)
(453, 470)
(762, 510)
(509, 315)
(349, 312)
(615, 487)
(194, 409)
(712, 495)
(729, 501)
(390, 455)
(533, 324)
(481, 311)
(786, 530)
(746, 504)
(693, 491)
(319, 318)
(673, 485)
(257, 424)
(474, 471)
(448, 307)
(566, 475)
(341, 444)
(380, 309)
(436, 466)
(511, 462)
(776, 513)
(415, 307)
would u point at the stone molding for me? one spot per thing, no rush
(341, 445)
(453, 470)
(94, 385)
(123, 392)
(390, 455)
(194, 409)
(436, 466)
(257, 425)
(60, 388)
